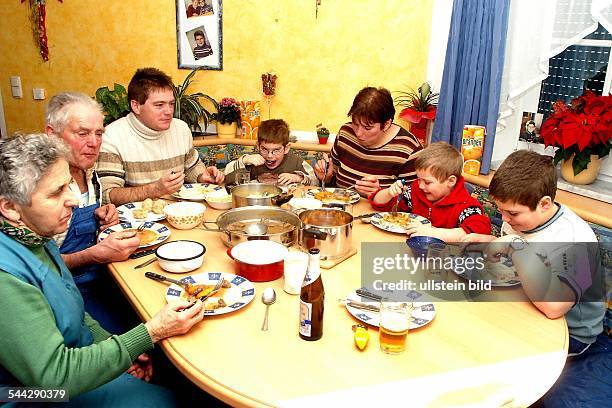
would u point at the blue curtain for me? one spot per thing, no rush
(473, 68)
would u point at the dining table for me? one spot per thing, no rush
(473, 353)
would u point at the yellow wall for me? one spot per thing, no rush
(321, 63)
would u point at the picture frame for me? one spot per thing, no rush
(530, 127)
(199, 38)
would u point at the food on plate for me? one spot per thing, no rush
(195, 190)
(158, 206)
(498, 272)
(225, 198)
(145, 236)
(402, 220)
(140, 213)
(199, 291)
(268, 178)
(327, 196)
(147, 204)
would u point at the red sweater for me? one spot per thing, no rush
(458, 209)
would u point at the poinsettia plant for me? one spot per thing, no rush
(581, 128)
(228, 111)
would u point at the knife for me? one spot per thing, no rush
(148, 262)
(140, 254)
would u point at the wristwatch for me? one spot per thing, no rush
(517, 244)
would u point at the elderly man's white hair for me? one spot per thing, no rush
(60, 107)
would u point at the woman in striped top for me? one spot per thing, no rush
(371, 151)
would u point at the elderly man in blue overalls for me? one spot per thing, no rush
(77, 119)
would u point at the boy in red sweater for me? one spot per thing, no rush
(439, 195)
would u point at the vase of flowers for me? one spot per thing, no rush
(582, 133)
(419, 109)
(227, 117)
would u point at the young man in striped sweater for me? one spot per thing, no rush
(148, 153)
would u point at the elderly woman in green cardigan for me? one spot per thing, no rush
(48, 340)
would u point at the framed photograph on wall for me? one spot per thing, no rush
(199, 34)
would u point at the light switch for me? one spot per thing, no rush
(38, 93)
(16, 90)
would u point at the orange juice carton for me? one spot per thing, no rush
(250, 115)
(472, 147)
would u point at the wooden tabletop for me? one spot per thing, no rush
(472, 352)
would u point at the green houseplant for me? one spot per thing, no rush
(419, 108)
(114, 103)
(187, 107)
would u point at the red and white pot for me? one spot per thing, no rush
(259, 261)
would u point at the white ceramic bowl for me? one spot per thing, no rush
(185, 215)
(219, 200)
(304, 203)
(180, 256)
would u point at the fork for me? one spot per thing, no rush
(141, 227)
(214, 290)
(399, 197)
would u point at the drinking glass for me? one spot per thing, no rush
(394, 326)
(243, 177)
(438, 256)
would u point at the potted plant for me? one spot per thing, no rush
(227, 117)
(419, 109)
(114, 103)
(188, 107)
(322, 133)
(582, 133)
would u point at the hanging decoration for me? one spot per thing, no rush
(38, 15)
(268, 82)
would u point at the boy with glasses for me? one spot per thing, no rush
(273, 163)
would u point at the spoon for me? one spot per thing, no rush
(267, 297)
(257, 228)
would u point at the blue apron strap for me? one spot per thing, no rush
(82, 234)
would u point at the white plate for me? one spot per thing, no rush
(236, 297)
(422, 314)
(377, 221)
(195, 191)
(495, 283)
(161, 230)
(125, 213)
(354, 197)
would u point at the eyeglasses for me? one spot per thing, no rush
(275, 152)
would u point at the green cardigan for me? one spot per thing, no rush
(32, 348)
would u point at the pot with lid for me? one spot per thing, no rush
(328, 229)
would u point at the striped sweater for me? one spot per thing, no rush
(389, 162)
(133, 155)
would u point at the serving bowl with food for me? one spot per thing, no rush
(219, 200)
(259, 261)
(185, 215)
(255, 194)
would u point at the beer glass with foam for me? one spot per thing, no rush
(394, 326)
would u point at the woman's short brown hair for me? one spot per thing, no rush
(372, 105)
(273, 131)
(524, 178)
(442, 160)
(146, 80)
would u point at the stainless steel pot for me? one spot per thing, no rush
(328, 229)
(282, 225)
(254, 194)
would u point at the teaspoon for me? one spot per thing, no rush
(267, 297)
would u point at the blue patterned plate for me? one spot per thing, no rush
(153, 233)
(378, 220)
(422, 314)
(195, 191)
(125, 213)
(334, 197)
(236, 297)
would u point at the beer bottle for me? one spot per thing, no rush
(312, 298)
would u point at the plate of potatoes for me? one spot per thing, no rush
(147, 210)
